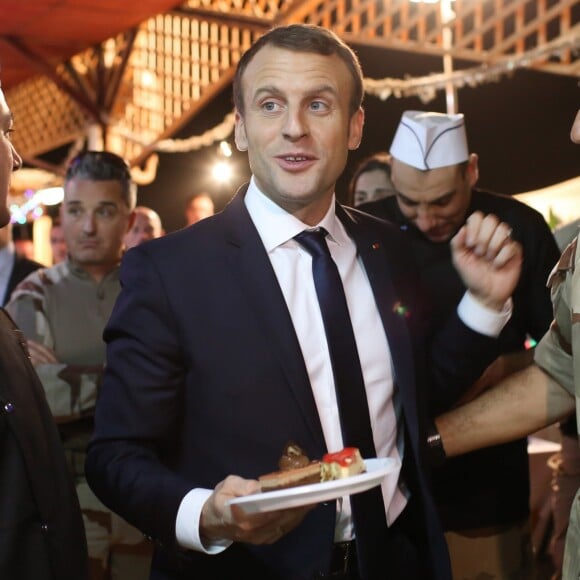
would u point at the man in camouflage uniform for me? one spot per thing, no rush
(555, 356)
(539, 395)
(62, 311)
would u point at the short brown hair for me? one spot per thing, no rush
(303, 38)
(104, 166)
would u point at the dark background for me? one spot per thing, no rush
(519, 126)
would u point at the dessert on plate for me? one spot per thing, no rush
(295, 468)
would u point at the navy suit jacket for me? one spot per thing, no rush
(205, 378)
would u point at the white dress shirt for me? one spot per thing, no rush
(293, 267)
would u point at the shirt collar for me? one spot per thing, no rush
(276, 226)
(82, 274)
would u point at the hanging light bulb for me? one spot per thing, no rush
(225, 149)
(222, 171)
(50, 195)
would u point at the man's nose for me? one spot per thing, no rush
(89, 222)
(295, 126)
(425, 219)
(16, 159)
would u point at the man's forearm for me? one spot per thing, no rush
(519, 405)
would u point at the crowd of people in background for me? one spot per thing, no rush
(148, 364)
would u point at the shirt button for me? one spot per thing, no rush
(8, 407)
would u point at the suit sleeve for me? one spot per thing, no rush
(449, 357)
(136, 419)
(458, 356)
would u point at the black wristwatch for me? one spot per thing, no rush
(437, 454)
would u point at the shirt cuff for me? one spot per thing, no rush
(187, 524)
(482, 319)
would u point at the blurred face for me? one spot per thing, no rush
(57, 244)
(24, 248)
(146, 226)
(297, 127)
(94, 219)
(199, 208)
(435, 201)
(9, 160)
(372, 185)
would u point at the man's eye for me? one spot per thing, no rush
(270, 106)
(318, 106)
(105, 212)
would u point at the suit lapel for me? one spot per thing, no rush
(381, 263)
(249, 259)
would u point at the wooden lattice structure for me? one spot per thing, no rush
(135, 89)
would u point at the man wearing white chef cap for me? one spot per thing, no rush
(433, 172)
(483, 497)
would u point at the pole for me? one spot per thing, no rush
(447, 16)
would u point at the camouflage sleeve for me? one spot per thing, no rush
(26, 307)
(554, 352)
(71, 390)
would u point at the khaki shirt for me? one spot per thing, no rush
(63, 308)
(555, 352)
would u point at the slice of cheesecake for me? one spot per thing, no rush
(342, 464)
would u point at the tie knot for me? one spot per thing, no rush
(314, 241)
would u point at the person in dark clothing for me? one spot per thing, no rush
(483, 497)
(42, 536)
(13, 267)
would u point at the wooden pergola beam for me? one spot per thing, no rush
(47, 69)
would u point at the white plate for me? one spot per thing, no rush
(280, 499)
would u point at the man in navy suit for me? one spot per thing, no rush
(217, 354)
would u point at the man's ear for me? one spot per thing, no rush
(132, 217)
(355, 129)
(240, 136)
(473, 169)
